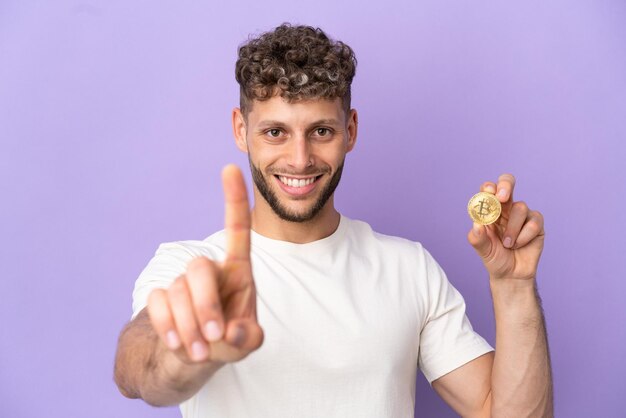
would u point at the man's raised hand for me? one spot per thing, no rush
(209, 313)
(511, 247)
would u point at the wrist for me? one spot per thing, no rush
(177, 366)
(175, 371)
(513, 294)
(512, 285)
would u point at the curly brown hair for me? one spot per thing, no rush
(295, 62)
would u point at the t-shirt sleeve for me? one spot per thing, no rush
(447, 340)
(169, 262)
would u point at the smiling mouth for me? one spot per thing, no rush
(297, 182)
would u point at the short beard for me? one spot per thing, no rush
(282, 212)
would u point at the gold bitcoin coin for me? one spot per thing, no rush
(484, 208)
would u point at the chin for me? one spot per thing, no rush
(297, 211)
(300, 202)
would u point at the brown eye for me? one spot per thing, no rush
(322, 131)
(274, 133)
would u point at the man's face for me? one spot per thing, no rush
(296, 153)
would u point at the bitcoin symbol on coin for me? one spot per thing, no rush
(484, 208)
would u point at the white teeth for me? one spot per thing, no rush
(296, 182)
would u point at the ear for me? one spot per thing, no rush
(239, 130)
(353, 123)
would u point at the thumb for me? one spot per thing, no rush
(245, 334)
(478, 238)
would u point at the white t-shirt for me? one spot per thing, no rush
(347, 321)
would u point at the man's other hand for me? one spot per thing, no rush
(209, 313)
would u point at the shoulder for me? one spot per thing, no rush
(408, 255)
(171, 258)
(212, 247)
(361, 232)
(170, 261)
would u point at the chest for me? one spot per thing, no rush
(353, 318)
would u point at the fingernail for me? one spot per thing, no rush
(213, 331)
(198, 351)
(507, 242)
(173, 342)
(490, 189)
(502, 193)
(476, 229)
(240, 336)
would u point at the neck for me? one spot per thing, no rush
(265, 222)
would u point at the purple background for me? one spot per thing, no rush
(115, 124)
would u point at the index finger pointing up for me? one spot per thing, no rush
(237, 214)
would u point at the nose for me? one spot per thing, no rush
(300, 157)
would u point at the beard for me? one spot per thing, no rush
(285, 213)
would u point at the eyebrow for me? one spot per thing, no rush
(268, 123)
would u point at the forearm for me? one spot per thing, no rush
(521, 381)
(145, 368)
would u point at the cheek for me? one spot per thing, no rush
(260, 151)
(331, 154)
(263, 155)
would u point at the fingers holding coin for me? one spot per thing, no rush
(517, 225)
(532, 228)
(488, 187)
(484, 208)
(506, 184)
(517, 218)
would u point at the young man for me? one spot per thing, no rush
(294, 310)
